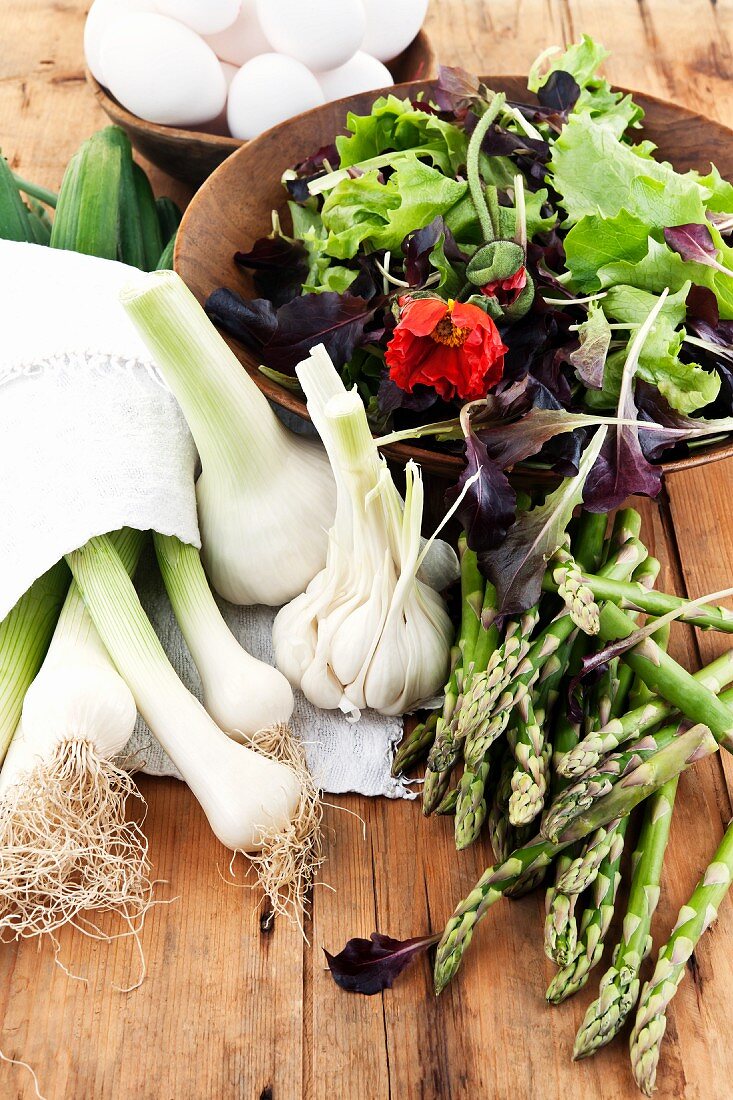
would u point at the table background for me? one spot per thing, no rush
(237, 1006)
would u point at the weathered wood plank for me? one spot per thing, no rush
(231, 1011)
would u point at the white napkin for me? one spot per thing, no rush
(91, 440)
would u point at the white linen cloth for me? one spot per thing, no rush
(91, 440)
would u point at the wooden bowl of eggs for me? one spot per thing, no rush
(191, 80)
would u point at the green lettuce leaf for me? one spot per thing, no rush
(364, 209)
(595, 173)
(660, 268)
(395, 124)
(686, 386)
(595, 241)
(582, 60)
(323, 273)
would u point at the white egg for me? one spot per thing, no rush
(267, 90)
(219, 124)
(391, 26)
(202, 16)
(101, 15)
(162, 71)
(323, 34)
(242, 41)
(230, 71)
(361, 73)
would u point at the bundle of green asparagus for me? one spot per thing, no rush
(554, 763)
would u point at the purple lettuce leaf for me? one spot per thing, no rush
(280, 267)
(390, 397)
(370, 966)
(693, 242)
(488, 509)
(511, 443)
(722, 222)
(456, 90)
(517, 567)
(286, 336)
(506, 143)
(589, 358)
(251, 320)
(559, 92)
(702, 306)
(318, 164)
(418, 245)
(671, 427)
(622, 469)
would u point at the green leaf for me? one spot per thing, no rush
(582, 60)
(396, 125)
(589, 360)
(686, 386)
(596, 240)
(364, 209)
(661, 268)
(517, 567)
(595, 173)
(355, 210)
(323, 274)
(720, 191)
(451, 282)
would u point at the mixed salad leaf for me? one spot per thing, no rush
(480, 270)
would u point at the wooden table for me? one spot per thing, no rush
(237, 1006)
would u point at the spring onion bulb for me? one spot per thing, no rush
(366, 632)
(254, 803)
(265, 497)
(242, 695)
(66, 845)
(25, 634)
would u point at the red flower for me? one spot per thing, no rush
(506, 291)
(455, 348)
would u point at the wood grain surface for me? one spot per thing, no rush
(237, 1006)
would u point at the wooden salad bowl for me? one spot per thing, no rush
(235, 207)
(192, 155)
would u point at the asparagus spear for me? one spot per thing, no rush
(583, 870)
(492, 690)
(488, 715)
(561, 927)
(415, 747)
(618, 731)
(580, 873)
(472, 598)
(529, 781)
(579, 600)
(504, 836)
(665, 677)
(580, 798)
(632, 596)
(448, 804)
(694, 918)
(626, 526)
(471, 806)
(619, 988)
(594, 924)
(691, 745)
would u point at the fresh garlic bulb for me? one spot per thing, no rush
(366, 632)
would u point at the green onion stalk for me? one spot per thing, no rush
(25, 634)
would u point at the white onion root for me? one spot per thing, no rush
(66, 846)
(288, 861)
